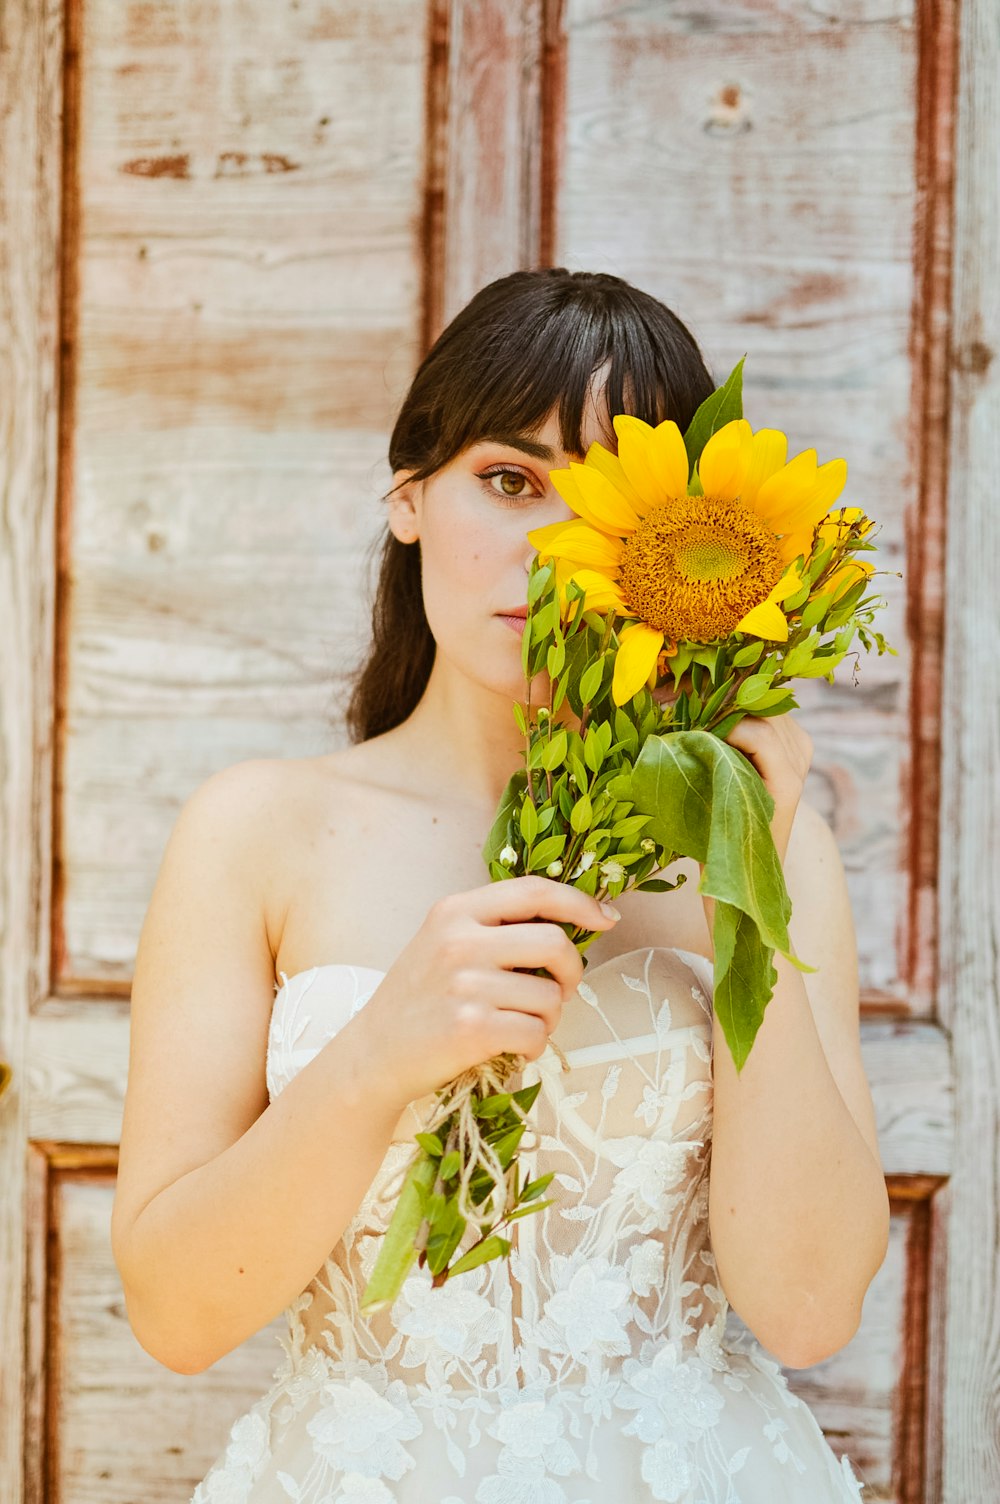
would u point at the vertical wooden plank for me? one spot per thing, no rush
(929, 352)
(31, 89)
(249, 199)
(969, 878)
(487, 145)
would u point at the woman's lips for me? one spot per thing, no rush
(516, 623)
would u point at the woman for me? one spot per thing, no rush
(261, 1131)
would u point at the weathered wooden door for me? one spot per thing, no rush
(228, 234)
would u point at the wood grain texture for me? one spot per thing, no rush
(31, 90)
(244, 224)
(754, 167)
(783, 177)
(223, 259)
(79, 1060)
(969, 877)
(486, 124)
(117, 1426)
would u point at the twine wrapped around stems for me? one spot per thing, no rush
(474, 1152)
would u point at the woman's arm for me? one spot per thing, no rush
(798, 1207)
(225, 1205)
(219, 1253)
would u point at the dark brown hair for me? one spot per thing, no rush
(523, 344)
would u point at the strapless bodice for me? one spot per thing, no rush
(591, 1364)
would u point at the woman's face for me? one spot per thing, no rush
(472, 518)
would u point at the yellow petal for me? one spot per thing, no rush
(602, 592)
(565, 483)
(801, 494)
(793, 544)
(843, 578)
(638, 647)
(790, 581)
(768, 452)
(610, 466)
(595, 499)
(724, 460)
(765, 620)
(578, 541)
(605, 500)
(654, 459)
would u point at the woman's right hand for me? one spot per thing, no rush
(458, 995)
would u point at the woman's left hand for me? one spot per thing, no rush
(779, 749)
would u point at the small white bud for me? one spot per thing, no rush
(508, 856)
(554, 869)
(647, 844)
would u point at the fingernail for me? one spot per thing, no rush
(609, 909)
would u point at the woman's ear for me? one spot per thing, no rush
(404, 506)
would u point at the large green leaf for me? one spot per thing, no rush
(722, 407)
(706, 800)
(509, 802)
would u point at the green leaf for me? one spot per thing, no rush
(505, 1146)
(724, 404)
(510, 801)
(536, 1187)
(798, 658)
(545, 852)
(527, 1211)
(625, 732)
(582, 816)
(793, 602)
(707, 801)
(431, 1143)
(815, 610)
(540, 578)
(715, 701)
(493, 1106)
(449, 1166)
(775, 702)
(544, 621)
(748, 654)
(753, 689)
(493, 1247)
(593, 755)
(528, 821)
(554, 752)
(396, 1251)
(591, 680)
(441, 1245)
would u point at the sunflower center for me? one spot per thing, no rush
(696, 565)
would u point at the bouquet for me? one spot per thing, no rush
(701, 575)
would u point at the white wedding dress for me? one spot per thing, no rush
(588, 1368)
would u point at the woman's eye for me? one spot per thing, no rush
(513, 486)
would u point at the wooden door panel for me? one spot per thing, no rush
(246, 245)
(229, 244)
(115, 1425)
(757, 173)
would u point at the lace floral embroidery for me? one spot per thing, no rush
(595, 1353)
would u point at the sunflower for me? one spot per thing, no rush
(688, 567)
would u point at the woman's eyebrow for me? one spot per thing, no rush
(521, 441)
